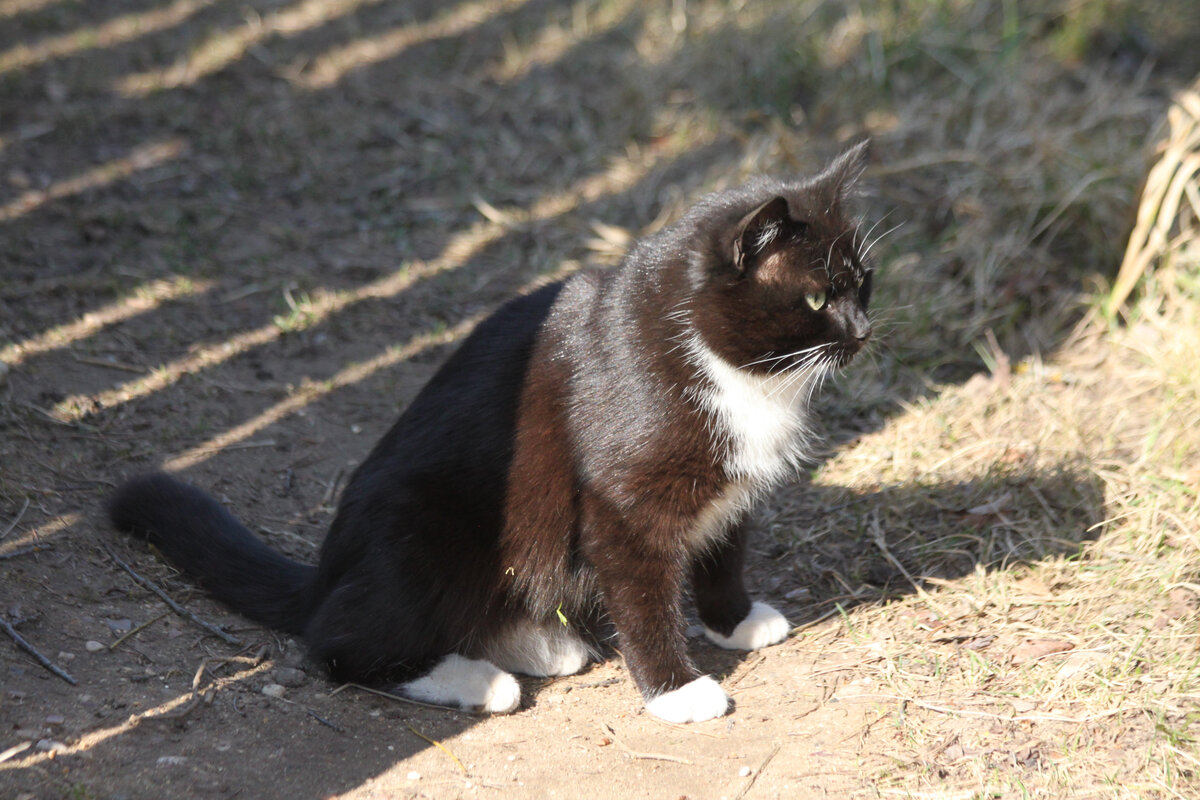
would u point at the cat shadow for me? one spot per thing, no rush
(818, 551)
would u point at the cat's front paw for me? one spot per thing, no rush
(761, 627)
(467, 683)
(697, 701)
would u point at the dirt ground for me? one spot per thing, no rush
(237, 237)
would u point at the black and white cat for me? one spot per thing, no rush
(588, 453)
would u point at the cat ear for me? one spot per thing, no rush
(847, 168)
(758, 230)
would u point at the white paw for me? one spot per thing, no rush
(568, 660)
(467, 683)
(697, 701)
(503, 696)
(761, 627)
(540, 650)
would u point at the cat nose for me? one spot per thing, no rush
(858, 326)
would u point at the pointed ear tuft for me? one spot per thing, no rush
(758, 230)
(847, 168)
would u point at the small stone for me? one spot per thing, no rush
(27, 733)
(55, 719)
(414, 776)
(293, 655)
(63, 655)
(171, 761)
(274, 690)
(92, 646)
(744, 772)
(50, 746)
(290, 676)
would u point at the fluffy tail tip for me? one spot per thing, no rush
(128, 504)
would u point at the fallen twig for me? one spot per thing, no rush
(400, 698)
(746, 670)
(138, 629)
(881, 543)
(323, 721)
(99, 362)
(639, 755)
(178, 609)
(20, 551)
(754, 775)
(439, 746)
(969, 712)
(692, 729)
(313, 714)
(331, 489)
(16, 519)
(815, 621)
(33, 651)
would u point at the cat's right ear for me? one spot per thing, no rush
(847, 168)
(758, 231)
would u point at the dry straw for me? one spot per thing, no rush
(1170, 203)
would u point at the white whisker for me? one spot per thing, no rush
(829, 255)
(858, 246)
(794, 354)
(867, 250)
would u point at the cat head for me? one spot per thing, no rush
(783, 281)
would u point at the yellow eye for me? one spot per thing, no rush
(816, 300)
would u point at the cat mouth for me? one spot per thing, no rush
(826, 358)
(847, 352)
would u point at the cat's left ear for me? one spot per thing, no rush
(758, 230)
(847, 168)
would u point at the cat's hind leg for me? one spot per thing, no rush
(469, 683)
(541, 650)
(368, 636)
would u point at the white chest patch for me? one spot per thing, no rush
(763, 418)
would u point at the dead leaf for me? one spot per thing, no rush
(1034, 649)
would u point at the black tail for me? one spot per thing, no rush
(200, 537)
